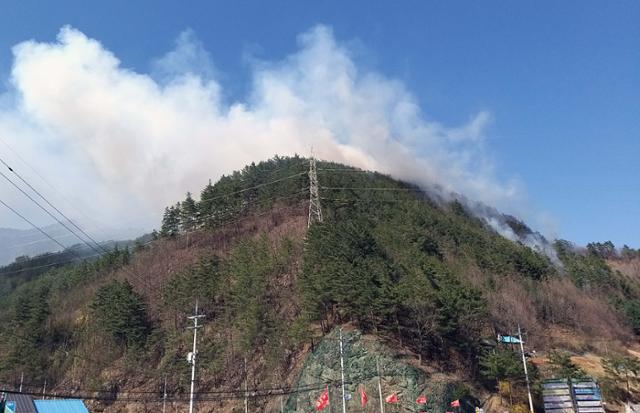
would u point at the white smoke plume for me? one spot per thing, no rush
(126, 144)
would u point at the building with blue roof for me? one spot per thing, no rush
(60, 406)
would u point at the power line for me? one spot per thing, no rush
(36, 241)
(201, 219)
(231, 212)
(46, 181)
(47, 211)
(45, 266)
(355, 188)
(204, 201)
(200, 396)
(49, 203)
(33, 225)
(359, 171)
(83, 259)
(352, 200)
(70, 230)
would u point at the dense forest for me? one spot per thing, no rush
(390, 260)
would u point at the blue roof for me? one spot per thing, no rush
(60, 406)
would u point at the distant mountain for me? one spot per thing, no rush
(30, 242)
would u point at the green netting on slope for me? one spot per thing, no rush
(323, 365)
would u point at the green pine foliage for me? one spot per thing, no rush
(188, 214)
(170, 221)
(237, 293)
(586, 269)
(30, 342)
(589, 270)
(501, 364)
(631, 309)
(563, 367)
(121, 314)
(622, 377)
(253, 189)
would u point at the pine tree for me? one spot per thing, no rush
(121, 313)
(188, 214)
(563, 367)
(170, 221)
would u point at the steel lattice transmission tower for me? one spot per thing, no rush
(315, 211)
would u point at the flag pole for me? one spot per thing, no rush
(379, 385)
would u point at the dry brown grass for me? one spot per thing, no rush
(629, 268)
(511, 304)
(555, 312)
(152, 268)
(561, 303)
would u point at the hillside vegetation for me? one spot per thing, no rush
(423, 275)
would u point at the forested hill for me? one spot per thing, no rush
(423, 275)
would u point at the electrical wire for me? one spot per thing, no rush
(257, 201)
(205, 201)
(355, 188)
(201, 219)
(249, 391)
(33, 225)
(37, 241)
(360, 171)
(46, 181)
(199, 396)
(47, 211)
(48, 202)
(84, 258)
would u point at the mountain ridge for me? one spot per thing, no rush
(428, 277)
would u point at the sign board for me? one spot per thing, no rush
(10, 407)
(508, 339)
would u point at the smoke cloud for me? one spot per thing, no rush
(125, 144)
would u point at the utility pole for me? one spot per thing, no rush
(315, 211)
(44, 388)
(379, 385)
(164, 395)
(246, 387)
(275, 376)
(21, 380)
(526, 373)
(192, 357)
(344, 396)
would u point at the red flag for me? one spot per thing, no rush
(392, 398)
(422, 399)
(363, 397)
(455, 403)
(323, 400)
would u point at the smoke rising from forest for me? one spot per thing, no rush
(126, 144)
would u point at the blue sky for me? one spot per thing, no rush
(560, 80)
